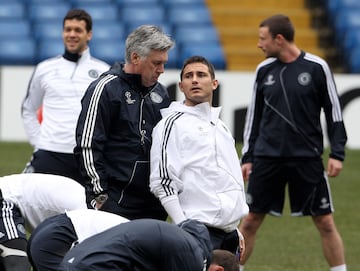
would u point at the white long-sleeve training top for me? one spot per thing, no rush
(195, 169)
(58, 85)
(39, 196)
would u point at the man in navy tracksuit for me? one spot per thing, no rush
(113, 134)
(283, 138)
(149, 245)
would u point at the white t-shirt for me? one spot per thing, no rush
(90, 222)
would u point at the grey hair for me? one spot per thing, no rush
(146, 38)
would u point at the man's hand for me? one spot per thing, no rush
(246, 171)
(241, 245)
(334, 167)
(100, 200)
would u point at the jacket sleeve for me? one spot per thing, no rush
(252, 123)
(334, 121)
(92, 131)
(165, 161)
(31, 103)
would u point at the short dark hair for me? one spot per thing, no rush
(81, 15)
(198, 59)
(226, 259)
(280, 24)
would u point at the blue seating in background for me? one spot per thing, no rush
(108, 50)
(17, 51)
(165, 26)
(212, 51)
(14, 28)
(352, 39)
(173, 58)
(103, 29)
(122, 3)
(11, 9)
(346, 25)
(29, 2)
(205, 36)
(346, 18)
(47, 11)
(333, 6)
(195, 33)
(188, 14)
(48, 48)
(134, 15)
(354, 60)
(86, 2)
(168, 3)
(188, 22)
(48, 29)
(100, 11)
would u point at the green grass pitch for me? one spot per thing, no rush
(286, 243)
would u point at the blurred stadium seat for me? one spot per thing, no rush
(188, 22)
(134, 16)
(173, 59)
(12, 9)
(195, 33)
(212, 51)
(142, 14)
(334, 6)
(99, 10)
(48, 48)
(165, 26)
(102, 29)
(352, 39)
(86, 2)
(17, 51)
(345, 19)
(108, 50)
(29, 2)
(14, 28)
(48, 29)
(168, 3)
(47, 11)
(188, 14)
(121, 3)
(354, 60)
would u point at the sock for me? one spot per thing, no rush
(337, 268)
(243, 267)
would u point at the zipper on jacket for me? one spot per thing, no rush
(142, 123)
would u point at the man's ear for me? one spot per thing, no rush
(180, 87)
(215, 84)
(135, 58)
(215, 267)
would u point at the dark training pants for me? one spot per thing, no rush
(49, 243)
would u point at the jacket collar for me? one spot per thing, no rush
(203, 110)
(74, 57)
(134, 80)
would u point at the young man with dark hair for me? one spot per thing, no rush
(195, 168)
(57, 86)
(283, 138)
